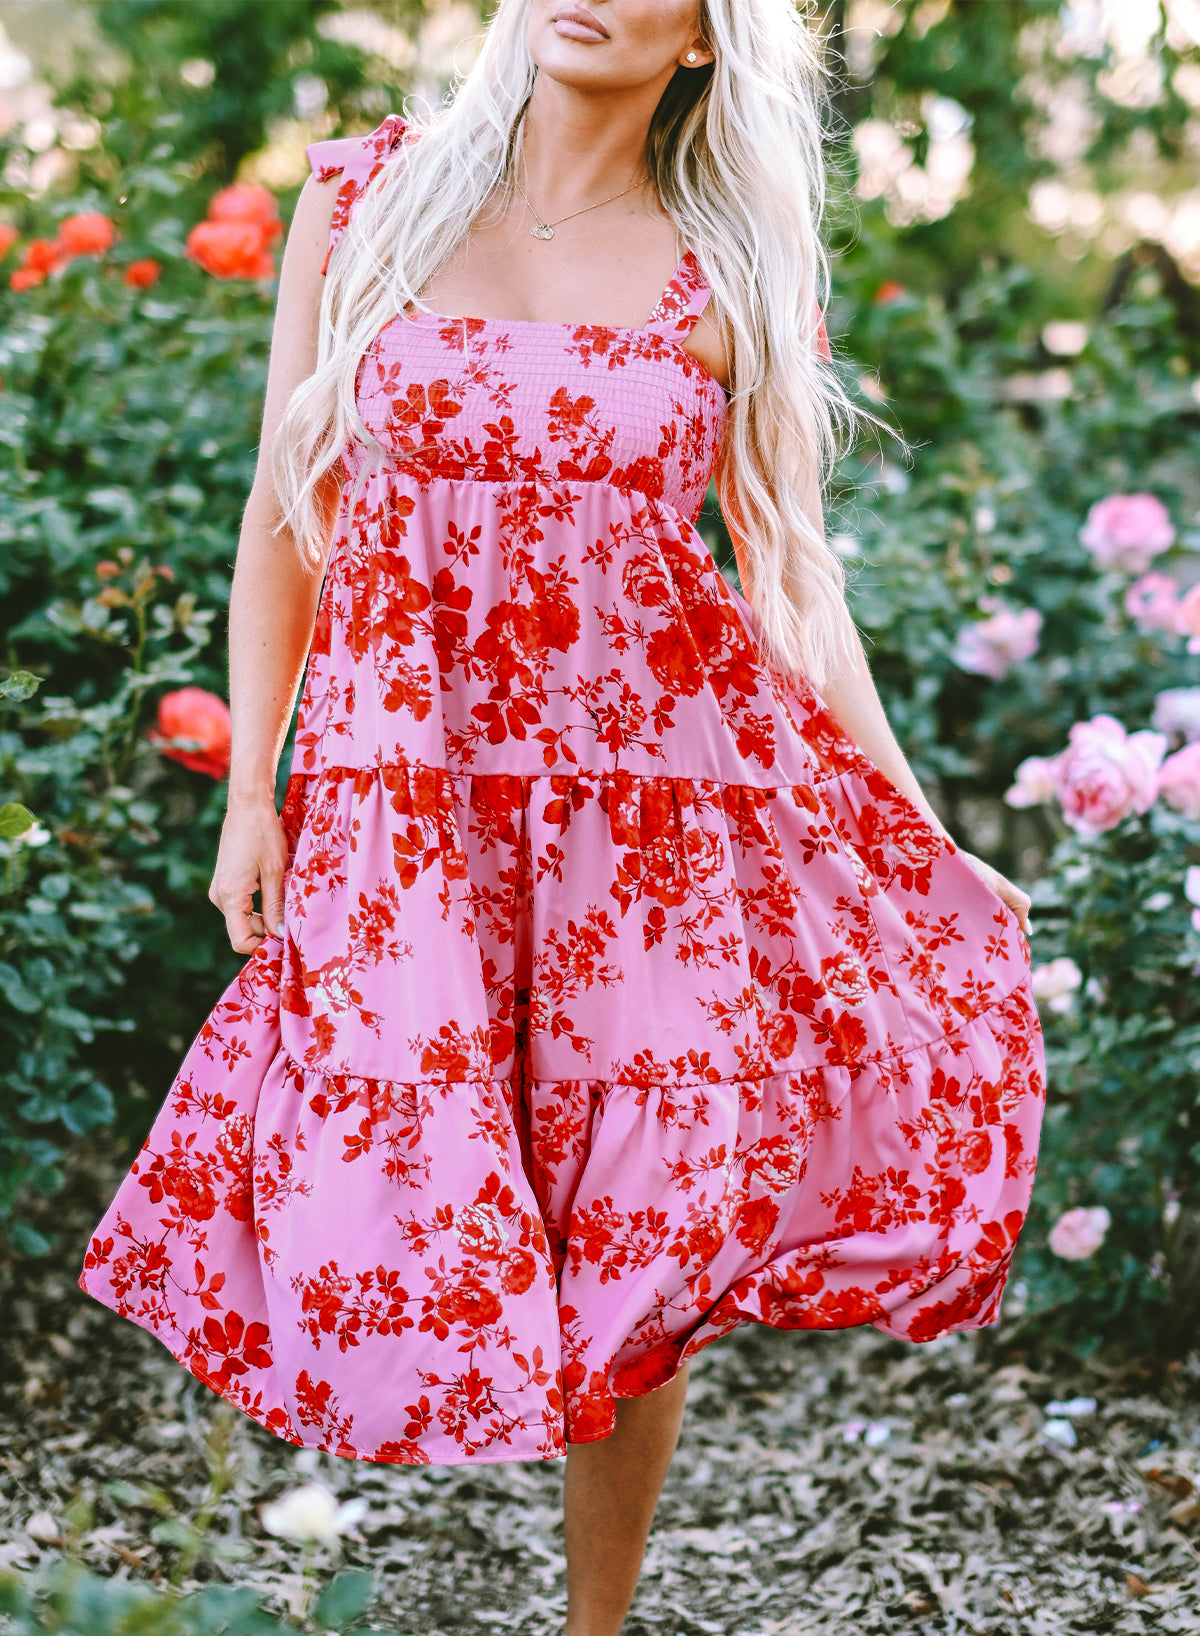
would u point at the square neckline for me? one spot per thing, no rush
(687, 259)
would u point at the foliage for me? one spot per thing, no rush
(992, 506)
(1123, 1128)
(63, 1598)
(128, 424)
(128, 430)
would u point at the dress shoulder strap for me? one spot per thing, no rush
(358, 160)
(687, 295)
(682, 302)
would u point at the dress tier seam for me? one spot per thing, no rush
(853, 1064)
(331, 769)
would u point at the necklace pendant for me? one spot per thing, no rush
(542, 230)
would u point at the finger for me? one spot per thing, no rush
(243, 936)
(237, 905)
(272, 901)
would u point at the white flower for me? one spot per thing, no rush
(877, 1432)
(1177, 710)
(1079, 1233)
(1191, 885)
(1072, 1407)
(1055, 982)
(43, 1527)
(311, 1512)
(1061, 1432)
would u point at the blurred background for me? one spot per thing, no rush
(1015, 225)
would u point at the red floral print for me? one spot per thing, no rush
(620, 998)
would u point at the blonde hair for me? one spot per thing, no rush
(735, 151)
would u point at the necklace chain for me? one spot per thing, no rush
(542, 229)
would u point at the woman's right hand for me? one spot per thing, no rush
(252, 856)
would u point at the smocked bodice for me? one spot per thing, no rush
(556, 405)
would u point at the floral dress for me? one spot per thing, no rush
(620, 1000)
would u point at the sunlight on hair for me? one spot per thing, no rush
(721, 143)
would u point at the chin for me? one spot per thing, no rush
(570, 62)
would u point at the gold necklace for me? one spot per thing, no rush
(545, 230)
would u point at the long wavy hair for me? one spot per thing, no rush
(735, 151)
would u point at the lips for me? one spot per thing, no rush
(575, 23)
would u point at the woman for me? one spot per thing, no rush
(611, 986)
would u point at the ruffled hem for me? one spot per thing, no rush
(451, 1272)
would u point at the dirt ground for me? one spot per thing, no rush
(826, 1485)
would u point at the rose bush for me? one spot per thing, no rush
(1112, 1249)
(128, 423)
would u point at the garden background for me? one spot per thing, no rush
(1015, 225)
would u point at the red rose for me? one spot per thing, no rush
(230, 249)
(889, 291)
(590, 1420)
(517, 1272)
(140, 275)
(471, 1304)
(975, 1151)
(41, 257)
(247, 202)
(193, 1194)
(756, 1222)
(843, 977)
(779, 1036)
(194, 727)
(88, 234)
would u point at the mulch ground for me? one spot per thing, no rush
(826, 1485)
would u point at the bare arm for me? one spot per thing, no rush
(272, 608)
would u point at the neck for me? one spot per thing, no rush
(577, 146)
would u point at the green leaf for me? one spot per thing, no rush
(346, 1597)
(15, 820)
(175, 1531)
(88, 1112)
(14, 990)
(19, 685)
(26, 1240)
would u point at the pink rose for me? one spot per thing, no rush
(1179, 780)
(1079, 1233)
(1187, 618)
(1152, 602)
(1104, 774)
(991, 646)
(1177, 710)
(1056, 981)
(1034, 782)
(1126, 531)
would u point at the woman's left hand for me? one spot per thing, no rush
(1018, 901)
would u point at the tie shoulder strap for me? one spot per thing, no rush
(682, 302)
(358, 160)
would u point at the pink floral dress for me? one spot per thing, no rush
(621, 999)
